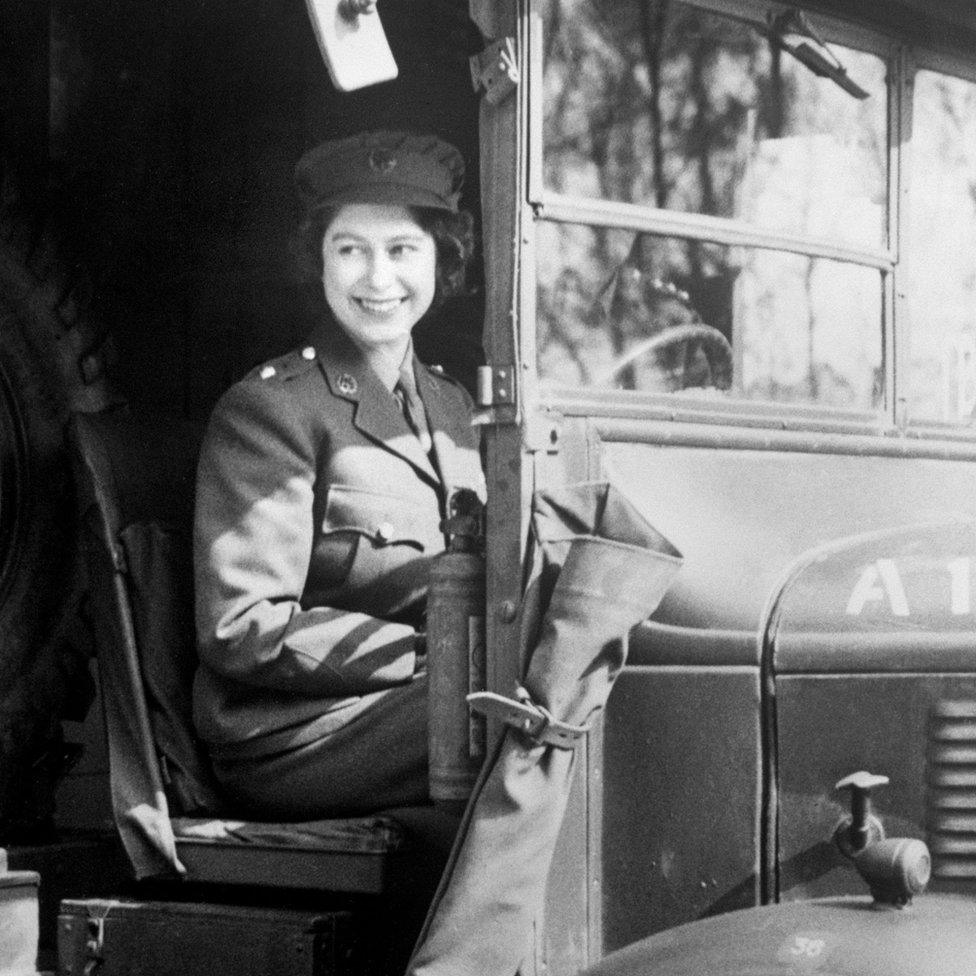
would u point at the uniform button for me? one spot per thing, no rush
(308, 352)
(347, 384)
(437, 368)
(267, 372)
(385, 532)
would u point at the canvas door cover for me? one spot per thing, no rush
(599, 569)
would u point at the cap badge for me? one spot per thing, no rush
(347, 384)
(381, 161)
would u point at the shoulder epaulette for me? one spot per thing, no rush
(437, 371)
(289, 365)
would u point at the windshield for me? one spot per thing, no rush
(679, 110)
(669, 105)
(942, 247)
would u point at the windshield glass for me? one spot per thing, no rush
(942, 267)
(687, 113)
(664, 104)
(642, 312)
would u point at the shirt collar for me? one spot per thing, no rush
(388, 371)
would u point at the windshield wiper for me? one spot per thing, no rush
(791, 31)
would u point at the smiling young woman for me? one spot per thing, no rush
(323, 479)
(378, 275)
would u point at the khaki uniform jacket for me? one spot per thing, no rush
(317, 515)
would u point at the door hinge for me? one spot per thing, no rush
(495, 70)
(496, 385)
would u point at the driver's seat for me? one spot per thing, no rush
(135, 478)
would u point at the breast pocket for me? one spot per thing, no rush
(367, 538)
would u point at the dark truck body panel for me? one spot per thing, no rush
(780, 660)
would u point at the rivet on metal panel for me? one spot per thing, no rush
(495, 386)
(507, 611)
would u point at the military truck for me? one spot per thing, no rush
(725, 266)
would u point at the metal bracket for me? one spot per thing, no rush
(353, 43)
(542, 431)
(496, 385)
(496, 70)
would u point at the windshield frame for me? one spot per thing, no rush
(542, 205)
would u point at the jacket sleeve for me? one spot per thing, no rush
(253, 535)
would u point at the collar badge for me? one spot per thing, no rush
(346, 384)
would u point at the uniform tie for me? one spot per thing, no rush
(412, 406)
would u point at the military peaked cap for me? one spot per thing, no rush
(382, 167)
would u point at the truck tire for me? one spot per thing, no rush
(51, 362)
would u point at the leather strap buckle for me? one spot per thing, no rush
(529, 718)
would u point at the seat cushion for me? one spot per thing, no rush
(367, 835)
(135, 484)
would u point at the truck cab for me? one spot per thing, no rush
(726, 266)
(736, 294)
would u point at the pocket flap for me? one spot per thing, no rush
(385, 519)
